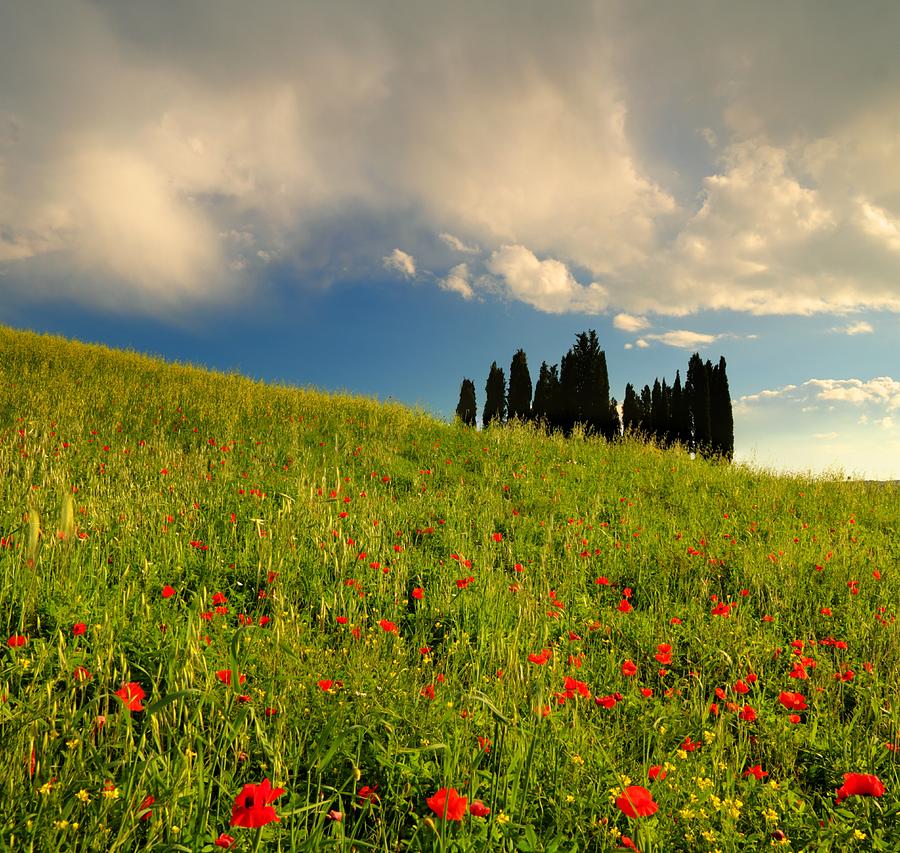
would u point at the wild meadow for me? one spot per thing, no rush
(238, 616)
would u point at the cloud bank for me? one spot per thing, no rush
(759, 173)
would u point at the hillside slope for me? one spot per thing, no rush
(400, 593)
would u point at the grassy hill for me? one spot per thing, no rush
(366, 606)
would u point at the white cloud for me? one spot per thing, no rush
(683, 339)
(859, 328)
(630, 323)
(640, 343)
(457, 281)
(400, 262)
(457, 245)
(881, 391)
(824, 436)
(547, 285)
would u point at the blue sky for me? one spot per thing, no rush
(384, 198)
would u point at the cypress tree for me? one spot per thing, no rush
(519, 397)
(615, 423)
(546, 396)
(584, 380)
(495, 392)
(721, 416)
(467, 409)
(657, 412)
(568, 399)
(680, 415)
(646, 411)
(631, 411)
(697, 392)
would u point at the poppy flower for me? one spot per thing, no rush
(368, 794)
(226, 842)
(131, 694)
(168, 591)
(418, 593)
(448, 804)
(479, 809)
(629, 669)
(81, 673)
(756, 772)
(253, 806)
(860, 785)
(792, 701)
(636, 801)
(78, 629)
(16, 641)
(664, 653)
(748, 715)
(325, 684)
(624, 606)
(145, 811)
(540, 659)
(224, 675)
(656, 772)
(387, 626)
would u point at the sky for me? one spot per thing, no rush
(385, 197)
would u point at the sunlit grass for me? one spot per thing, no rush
(313, 518)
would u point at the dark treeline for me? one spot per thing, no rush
(696, 413)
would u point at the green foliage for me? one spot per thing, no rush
(317, 518)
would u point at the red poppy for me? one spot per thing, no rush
(479, 809)
(656, 772)
(81, 673)
(252, 807)
(226, 842)
(748, 714)
(448, 804)
(606, 701)
(540, 659)
(418, 593)
(131, 694)
(78, 629)
(224, 675)
(629, 669)
(636, 801)
(664, 653)
(145, 811)
(168, 591)
(756, 771)
(860, 785)
(427, 691)
(325, 684)
(219, 598)
(792, 701)
(16, 641)
(624, 606)
(497, 537)
(368, 794)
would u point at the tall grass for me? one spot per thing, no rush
(315, 517)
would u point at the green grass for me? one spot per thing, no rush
(122, 474)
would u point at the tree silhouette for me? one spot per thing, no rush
(519, 396)
(615, 423)
(467, 408)
(631, 411)
(721, 416)
(495, 397)
(680, 414)
(546, 397)
(697, 392)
